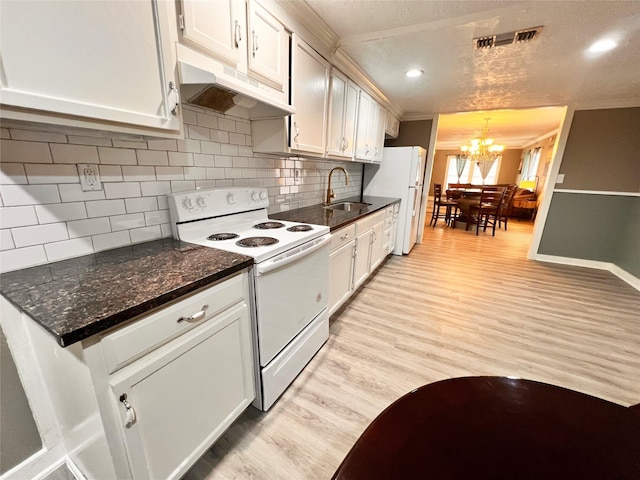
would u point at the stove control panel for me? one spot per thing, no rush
(211, 202)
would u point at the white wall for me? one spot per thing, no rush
(45, 216)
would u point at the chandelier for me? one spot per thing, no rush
(482, 149)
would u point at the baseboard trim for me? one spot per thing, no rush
(38, 465)
(625, 276)
(581, 262)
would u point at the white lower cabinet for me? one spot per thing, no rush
(341, 267)
(362, 258)
(191, 377)
(378, 253)
(356, 251)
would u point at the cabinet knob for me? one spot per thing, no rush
(238, 34)
(174, 98)
(255, 44)
(295, 126)
(196, 317)
(131, 413)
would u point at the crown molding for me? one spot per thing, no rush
(301, 19)
(411, 117)
(607, 104)
(343, 62)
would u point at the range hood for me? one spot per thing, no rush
(208, 83)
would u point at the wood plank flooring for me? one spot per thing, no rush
(458, 305)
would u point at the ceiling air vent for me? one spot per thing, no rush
(508, 38)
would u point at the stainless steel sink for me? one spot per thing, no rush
(347, 206)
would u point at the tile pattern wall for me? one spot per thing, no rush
(45, 216)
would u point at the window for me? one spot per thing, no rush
(530, 164)
(471, 172)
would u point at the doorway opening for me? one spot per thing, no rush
(530, 139)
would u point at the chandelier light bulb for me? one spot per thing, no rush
(482, 149)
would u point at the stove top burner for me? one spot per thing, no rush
(268, 225)
(300, 228)
(222, 236)
(256, 241)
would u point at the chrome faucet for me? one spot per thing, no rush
(330, 193)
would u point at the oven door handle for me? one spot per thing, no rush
(270, 265)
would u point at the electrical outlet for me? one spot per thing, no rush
(560, 178)
(296, 175)
(89, 177)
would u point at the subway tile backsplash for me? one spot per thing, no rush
(45, 216)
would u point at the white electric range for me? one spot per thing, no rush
(290, 276)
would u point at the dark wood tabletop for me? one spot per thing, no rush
(497, 428)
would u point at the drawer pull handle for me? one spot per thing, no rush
(344, 237)
(131, 413)
(196, 317)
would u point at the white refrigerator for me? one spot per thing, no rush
(400, 174)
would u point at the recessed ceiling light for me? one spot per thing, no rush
(414, 73)
(603, 46)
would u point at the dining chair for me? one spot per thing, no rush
(486, 211)
(506, 205)
(438, 203)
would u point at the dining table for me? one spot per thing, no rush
(465, 199)
(497, 428)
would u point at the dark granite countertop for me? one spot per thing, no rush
(335, 219)
(77, 298)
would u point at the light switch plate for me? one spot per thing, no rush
(560, 178)
(89, 177)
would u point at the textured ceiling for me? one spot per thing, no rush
(387, 38)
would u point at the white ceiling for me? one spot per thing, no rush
(388, 37)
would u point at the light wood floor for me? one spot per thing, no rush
(458, 305)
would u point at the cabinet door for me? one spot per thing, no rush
(394, 233)
(337, 104)
(309, 96)
(83, 61)
(268, 48)
(377, 242)
(363, 137)
(363, 258)
(219, 27)
(185, 395)
(340, 275)
(350, 119)
(343, 116)
(378, 139)
(392, 125)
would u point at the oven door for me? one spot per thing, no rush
(291, 289)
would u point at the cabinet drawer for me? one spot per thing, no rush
(122, 346)
(388, 212)
(369, 221)
(343, 236)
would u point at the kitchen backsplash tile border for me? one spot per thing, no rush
(45, 216)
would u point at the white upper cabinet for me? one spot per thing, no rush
(343, 115)
(268, 43)
(378, 133)
(367, 117)
(372, 118)
(219, 27)
(309, 96)
(99, 64)
(392, 127)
